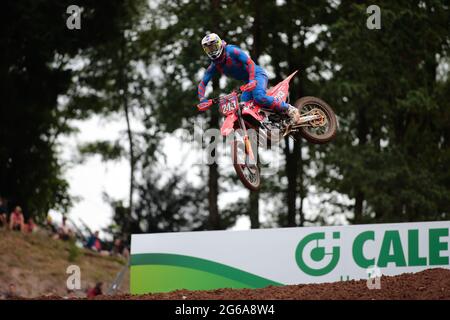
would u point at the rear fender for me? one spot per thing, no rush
(281, 90)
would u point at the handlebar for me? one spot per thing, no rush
(207, 104)
(204, 105)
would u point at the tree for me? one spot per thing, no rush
(173, 26)
(392, 145)
(117, 82)
(290, 32)
(35, 71)
(165, 203)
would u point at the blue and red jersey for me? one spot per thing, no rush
(235, 63)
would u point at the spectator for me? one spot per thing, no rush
(126, 252)
(94, 243)
(3, 220)
(30, 227)
(64, 232)
(16, 220)
(117, 248)
(3, 214)
(96, 291)
(49, 225)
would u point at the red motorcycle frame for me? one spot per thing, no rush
(249, 114)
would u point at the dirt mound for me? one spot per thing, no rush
(429, 284)
(37, 265)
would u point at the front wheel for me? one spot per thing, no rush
(321, 130)
(247, 172)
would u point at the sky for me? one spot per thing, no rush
(91, 178)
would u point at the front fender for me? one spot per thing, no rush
(228, 124)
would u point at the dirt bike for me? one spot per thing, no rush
(317, 125)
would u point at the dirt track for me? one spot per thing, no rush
(430, 284)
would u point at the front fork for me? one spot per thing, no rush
(247, 143)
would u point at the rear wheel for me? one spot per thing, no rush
(247, 172)
(321, 130)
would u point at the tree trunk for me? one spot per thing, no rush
(359, 199)
(131, 150)
(362, 137)
(301, 190)
(292, 156)
(256, 30)
(292, 173)
(213, 169)
(213, 179)
(255, 52)
(254, 209)
(300, 161)
(123, 85)
(213, 193)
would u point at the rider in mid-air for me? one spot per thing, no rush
(233, 62)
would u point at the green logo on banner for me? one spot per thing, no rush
(392, 250)
(317, 254)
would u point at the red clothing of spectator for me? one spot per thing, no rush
(30, 226)
(16, 220)
(96, 291)
(98, 245)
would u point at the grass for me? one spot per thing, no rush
(74, 252)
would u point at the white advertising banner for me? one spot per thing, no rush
(257, 258)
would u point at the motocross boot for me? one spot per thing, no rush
(293, 113)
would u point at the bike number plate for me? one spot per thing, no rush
(228, 105)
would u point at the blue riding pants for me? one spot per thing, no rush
(261, 98)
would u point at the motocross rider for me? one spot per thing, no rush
(234, 62)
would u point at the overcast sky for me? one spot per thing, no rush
(90, 179)
(93, 177)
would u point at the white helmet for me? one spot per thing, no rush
(213, 45)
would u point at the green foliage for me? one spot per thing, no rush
(36, 69)
(393, 144)
(173, 45)
(105, 149)
(389, 88)
(167, 202)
